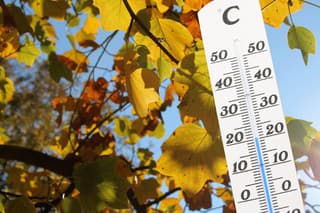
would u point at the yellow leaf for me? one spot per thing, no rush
(82, 36)
(224, 194)
(6, 87)
(192, 157)
(175, 37)
(50, 8)
(275, 11)
(171, 205)
(195, 5)
(164, 5)
(114, 14)
(142, 86)
(91, 25)
(9, 41)
(3, 136)
(80, 59)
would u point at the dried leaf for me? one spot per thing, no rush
(201, 200)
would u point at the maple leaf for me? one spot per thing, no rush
(202, 159)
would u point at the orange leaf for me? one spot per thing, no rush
(169, 95)
(95, 90)
(230, 208)
(191, 21)
(117, 97)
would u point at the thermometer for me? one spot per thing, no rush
(253, 129)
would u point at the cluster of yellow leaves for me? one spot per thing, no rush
(9, 41)
(34, 183)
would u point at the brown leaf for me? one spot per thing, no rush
(95, 90)
(88, 114)
(95, 145)
(89, 43)
(147, 189)
(230, 208)
(117, 97)
(63, 103)
(72, 65)
(201, 200)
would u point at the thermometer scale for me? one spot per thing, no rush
(253, 129)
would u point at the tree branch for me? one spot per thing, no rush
(62, 167)
(149, 34)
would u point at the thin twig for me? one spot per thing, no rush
(149, 34)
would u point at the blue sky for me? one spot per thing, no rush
(298, 84)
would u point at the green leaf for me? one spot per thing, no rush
(57, 69)
(192, 157)
(70, 205)
(28, 53)
(303, 39)
(300, 133)
(100, 186)
(72, 20)
(164, 69)
(20, 204)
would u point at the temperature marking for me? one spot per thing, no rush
(255, 139)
